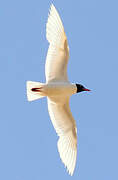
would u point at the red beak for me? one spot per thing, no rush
(87, 89)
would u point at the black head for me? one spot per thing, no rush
(81, 88)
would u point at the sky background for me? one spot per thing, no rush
(28, 141)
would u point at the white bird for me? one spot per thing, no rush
(58, 90)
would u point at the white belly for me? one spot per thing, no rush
(59, 89)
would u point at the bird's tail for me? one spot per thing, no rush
(34, 90)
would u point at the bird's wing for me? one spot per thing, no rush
(65, 127)
(58, 52)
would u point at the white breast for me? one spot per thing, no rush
(60, 89)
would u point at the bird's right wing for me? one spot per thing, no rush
(58, 52)
(65, 127)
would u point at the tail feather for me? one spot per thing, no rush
(31, 95)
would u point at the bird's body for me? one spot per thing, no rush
(58, 90)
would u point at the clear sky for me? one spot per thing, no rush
(28, 142)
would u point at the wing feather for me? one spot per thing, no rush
(54, 27)
(65, 127)
(67, 147)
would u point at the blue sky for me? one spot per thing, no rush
(28, 142)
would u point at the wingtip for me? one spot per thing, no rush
(51, 5)
(68, 155)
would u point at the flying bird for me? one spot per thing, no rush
(58, 90)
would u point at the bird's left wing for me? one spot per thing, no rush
(65, 127)
(58, 52)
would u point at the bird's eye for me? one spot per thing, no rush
(81, 86)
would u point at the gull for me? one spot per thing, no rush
(58, 90)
